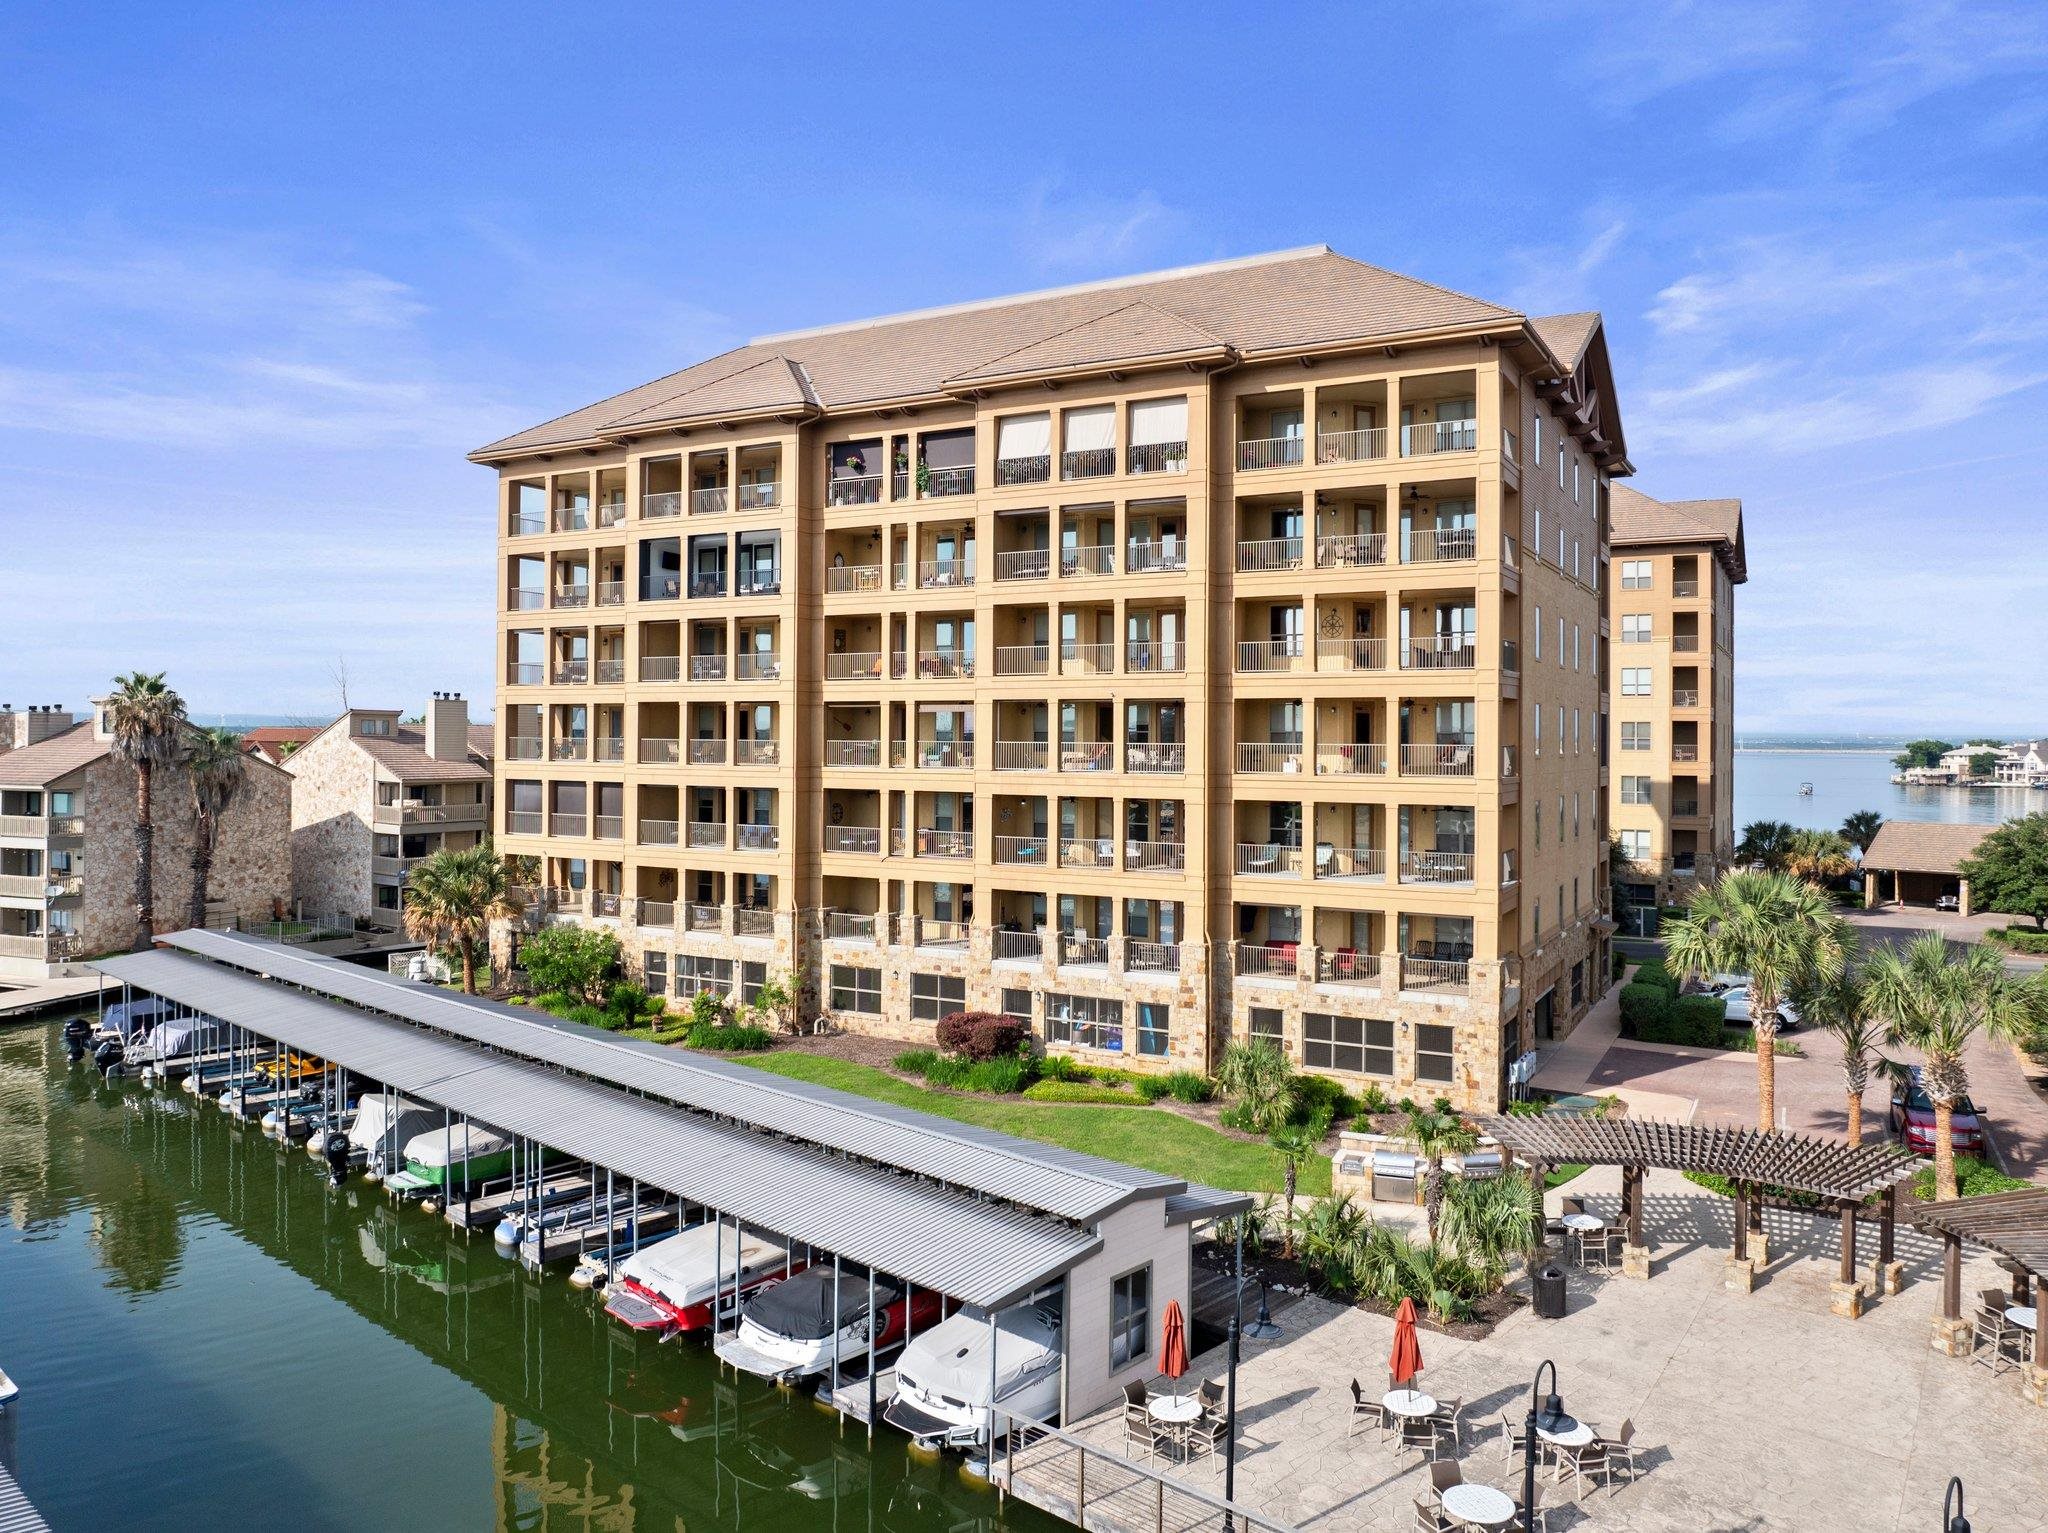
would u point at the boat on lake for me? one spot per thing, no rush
(942, 1378)
(668, 1285)
(458, 1152)
(809, 1323)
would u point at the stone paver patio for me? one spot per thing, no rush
(1757, 1411)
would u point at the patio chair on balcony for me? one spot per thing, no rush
(1326, 858)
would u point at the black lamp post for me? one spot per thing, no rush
(1261, 1329)
(1957, 1523)
(1549, 1419)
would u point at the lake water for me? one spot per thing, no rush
(204, 1332)
(1767, 788)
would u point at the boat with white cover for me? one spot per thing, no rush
(794, 1329)
(667, 1285)
(943, 1376)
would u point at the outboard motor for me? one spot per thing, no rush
(77, 1034)
(335, 1149)
(107, 1058)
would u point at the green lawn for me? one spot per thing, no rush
(1151, 1137)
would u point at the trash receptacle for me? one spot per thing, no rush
(1549, 1291)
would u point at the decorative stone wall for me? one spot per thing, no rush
(333, 803)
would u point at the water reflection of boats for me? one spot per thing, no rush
(427, 1254)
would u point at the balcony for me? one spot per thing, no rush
(610, 673)
(1021, 851)
(1258, 656)
(609, 827)
(1022, 755)
(1455, 652)
(571, 673)
(517, 748)
(1685, 588)
(1267, 960)
(1426, 439)
(1087, 756)
(1510, 658)
(709, 501)
(1446, 758)
(1149, 556)
(1355, 760)
(853, 753)
(759, 753)
(699, 917)
(1685, 643)
(1082, 949)
(1347, 966)
(1439, 545)
(1449, 975)
(936, 482)
(1350, 550)
(932, 933)
(1016, 947)
(611, 593)
(1078, 659)
(1685, 697)
(522, 822)
(1443, 869)
(752, 921)
(657, 752)
(1266, 555)
(1166, 756)
(1361, 446)
(707, 667)
(655, 507)
(1685, 753)
(570, 825)
(1023, 659)
(1268, 859)
(1036, 469)
(954, 844)
(528, 524)
(572, 518)
(850, 926)
(944, 574)
(1155, 856)
(1164, 657)
(1269, 755)
(945, 755)
(854, 665)
(1024, 564)
(759, 665)
(526, 673)
(572, 596)
(1270, 452)
(705, 835)
(858, 840)
(1088, 463)
(570, 750)
(707, 751)
(854, 490)
(944, 664)
(655, 915)
(1158, 458)
(1087, 851)
(611, 514)
(661, 588)
(526, 599)
(762, 496)
(1360, 863)
(661, 667)
(843, 579)
(1351, 654)
(759, 580)
(759, 838)
(1089, 559)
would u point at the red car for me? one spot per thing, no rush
(1912, 1120)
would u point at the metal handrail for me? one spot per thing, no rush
(1358, 446)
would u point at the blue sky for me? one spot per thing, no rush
(267, 273)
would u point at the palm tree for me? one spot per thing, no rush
(1840, 1008)
(1437, 1134)
(1765, 841)
(1778, 930)
(451, 899)
(214, 767)
(1490, 1220)
(1818, 856)
(1861, 828)
(145, 719)
(1935, 996)
(1296, 1142)
(1261, 1078)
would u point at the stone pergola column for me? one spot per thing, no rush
(1888, 1276)
(1951, 1330)
(1635, 1253)
(1738, 1270)
(1847, 1289)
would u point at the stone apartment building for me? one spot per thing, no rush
(1214, 654)
(1671, 606)
(67, 848)
(372, 795)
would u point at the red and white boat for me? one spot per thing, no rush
(668, 1286)
(802, 1327)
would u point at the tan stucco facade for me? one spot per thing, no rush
(1247, 721)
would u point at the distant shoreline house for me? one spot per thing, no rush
(2021, 764)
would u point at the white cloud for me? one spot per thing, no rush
(1093, 233)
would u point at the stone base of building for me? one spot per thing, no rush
(2034, 1385)
(1760, 1248)
(1738, 1273)
(1951, 1337)
(1846, 1299)
(1887, 1277)
(1635, 1262)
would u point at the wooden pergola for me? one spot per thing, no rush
(1753, 1162)
(2013, 1224)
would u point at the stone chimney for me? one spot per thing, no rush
(448, 727)
(39, 722)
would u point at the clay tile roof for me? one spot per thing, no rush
(269, 740)
(49, 760)
(1639, 519)
(1921, 846)
(483, 741)
(1567, 335)
(404, 755)
(1289, 300)
(1131, 332)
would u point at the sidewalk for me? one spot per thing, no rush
(1572, 1065)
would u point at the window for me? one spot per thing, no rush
(1635, 790)
(1539, 633)
(1265, 1026)
(1575, 646)
(654, 972)
(695, 972)
(1536, 440)
(1084, 1021)
(1576, 746)
(1347, 1043)
(1635, 845)
(1561, 456)
(1635, 736)
(1435, 1056)
(1536, 919)
(60, 804)
(856, 989)
(1560, 641)
(1536, 542)
(1130, 1318)
(1575, 483)
(1575, 558)
(753, 979)
(1536, 718)
(1575, 831)
(1017, 1006)
(1635, 681)
(933, 996)
(1153, 1020)
(387, 896)
(1635, 574)
(1635, 628)
(1578, 984)
(373, 726)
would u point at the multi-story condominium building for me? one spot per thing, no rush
(67, 844)
(1671, 606)
(372, 795)
(1209, 655)
(2023, 764)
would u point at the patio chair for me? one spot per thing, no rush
(1533, 1515)
(1621, 1451)
(1210, 1393)
(1572, 1205)
(1581, 1465)
(1514, 1438)
(1365, 1411)
(1205, 1436)
(1445, 1473)
(1992, 1333)
(1443, 1422)
(1428, 1518)
(1139, 1429)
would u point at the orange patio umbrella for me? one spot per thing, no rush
(1406, 1359)
(1173, 1342)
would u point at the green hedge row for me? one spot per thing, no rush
(1656, 1014)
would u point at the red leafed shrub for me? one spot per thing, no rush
(980, 1035)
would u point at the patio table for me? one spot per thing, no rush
(1478, 1506)
(1409, 1402)
(2025, 1316)
(1176, 1413)
(1577, 1435)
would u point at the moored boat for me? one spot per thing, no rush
(806, 1325)
(458, 1152)
(942, 1378)
(668, 1285)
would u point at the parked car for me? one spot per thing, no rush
(1912, 1120)
(1947, 902)
(1736, 998)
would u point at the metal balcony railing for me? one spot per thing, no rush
(759, 838)
(1436, 867)
(661, 667)
(609, 827)
(705, 835)
(657, 915)
(1152, 957)
(1439, 545)
(1158, 458)
(1269, 755)
(761, 495)
(703, 918)
(756, 752)
(853, 753)
(752, 921)
(525, 673)
(610, 673)
(1446, 758)
(661, 504)
(943, 574)
(956, 844)
(1078, 659)
(522, 822)
(1270, 452)
(948, 481)
(1036, 469)
(658, 752)
(1279, 960)
(1685, 753)
(1360, 446)
(1162, 656)
(1268, 859)
(1022, 755)
(1265, 655)
(843, 578)
(1155, 856)
(1149, 555)
(527, 524)
(1015, 946)
(612, 514)
(572, 596)
(1156, 756)
(1089, 559)
(864, 840)
(1427, 438)
(758, 665)
(1021, 851)
(1349, 861)
(945, 755)
(568, 824)
(1088, 463)
(1350, 550)
(944, 664)
(661, 587)
(1351, 654)
(854, 665)
(571, 673)
(1087, 756)
(1087, 851)
(572, 518)
(522, 747)
(1080, 948)
(1267, 554)
(526, 599)
(708, 501)
(1360, 759)
(570, 750)
(1456, 652)
(1024, 564)
(1023, 659)
(1434, 973)
(854, 489)
(707, 667)
(849, 926)
(611, 593)
(707, 751)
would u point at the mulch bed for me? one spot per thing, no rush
(1284, 1275)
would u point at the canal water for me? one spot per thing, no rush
(204, 1331)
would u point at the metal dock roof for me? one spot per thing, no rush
(16, 1515)
(1040, 1176)
(937, 1237)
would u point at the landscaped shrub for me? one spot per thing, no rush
(1149, 1088)
(1620, 963)
(980, 1034)
(1060, 1067)
(1190, 1086)
(1645, 1009)
(1002, 1077)
(709, 1009)
(1652, 972)
(1077, 1091)
(576, 959)
(1374, 1099)
(2020, 939)
(629, 1002)
(1691, 1019)
(557, 1001)
(1974, 1179)
(732, 1038)
(1317, 1096)
(915, 1061)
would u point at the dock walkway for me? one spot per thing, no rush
(28, 1003)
